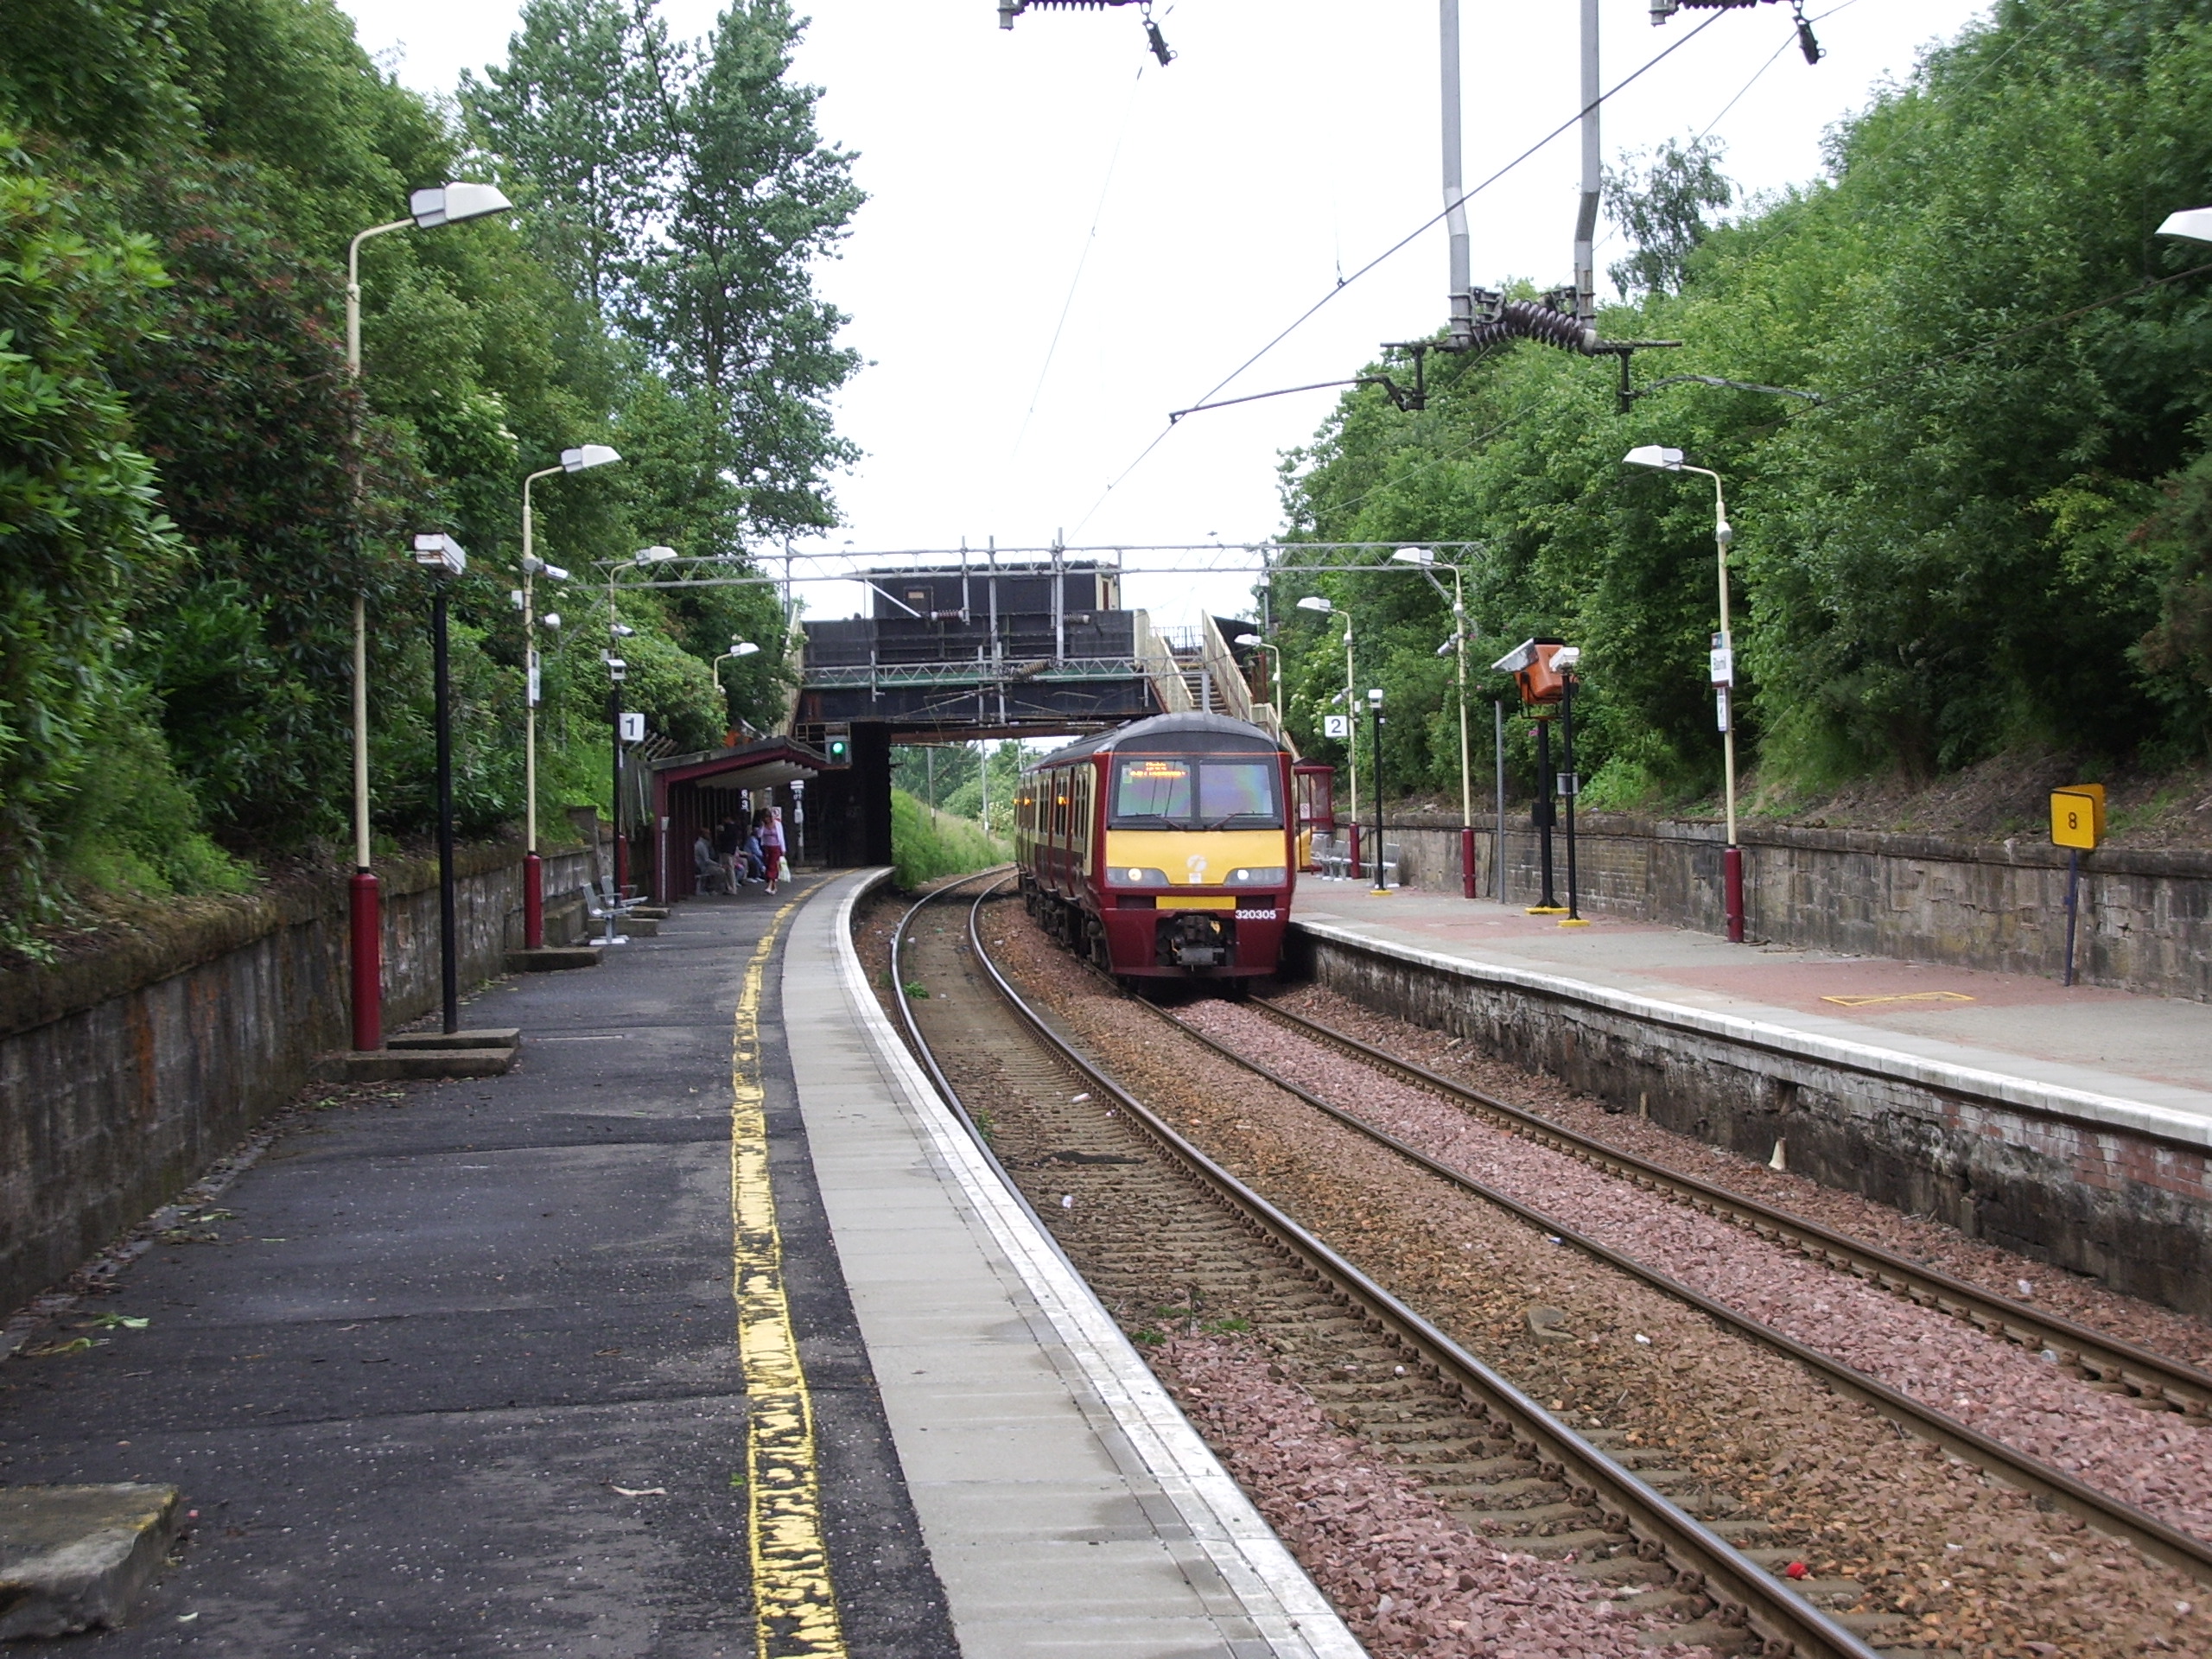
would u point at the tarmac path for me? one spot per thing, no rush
(462, 1375)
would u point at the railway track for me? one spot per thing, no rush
(2094, 1354)
(1165, 1233)
(2143, 1372)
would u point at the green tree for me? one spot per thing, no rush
(575, 117)
(1660, 210)
(727, 297)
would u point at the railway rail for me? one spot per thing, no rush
(2095, 1354)
(2101, 1509)
(1058, 1122)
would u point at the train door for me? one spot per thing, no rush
(1316, 786)
(1086, 839)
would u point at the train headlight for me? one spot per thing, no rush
(1269, 875)
(1131, 875)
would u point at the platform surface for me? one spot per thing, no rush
(455, 1368)
(1068, 1506)
(2118, 1046)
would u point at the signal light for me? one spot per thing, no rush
(841, 751)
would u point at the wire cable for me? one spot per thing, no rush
(1075, 281)
(1399, 247)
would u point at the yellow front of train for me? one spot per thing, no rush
(1197, 875)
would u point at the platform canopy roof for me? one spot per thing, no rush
(752, 766)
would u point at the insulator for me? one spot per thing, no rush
(1526, 319)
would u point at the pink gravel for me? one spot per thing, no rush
(2159, 1461)
(1407, 1578)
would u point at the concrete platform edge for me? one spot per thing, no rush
(2080, 1106)
(1283, 1605)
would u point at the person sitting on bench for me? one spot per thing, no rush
(713, 875)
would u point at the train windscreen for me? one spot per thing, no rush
(1196, 792)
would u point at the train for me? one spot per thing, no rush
(1166, 848)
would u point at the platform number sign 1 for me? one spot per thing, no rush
(2077, 823)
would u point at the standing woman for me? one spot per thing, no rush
(772, 843)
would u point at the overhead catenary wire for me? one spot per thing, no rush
(1083, 259)
(1399, 247)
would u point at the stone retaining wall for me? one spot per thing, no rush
(2146, 919)
(2132, 1208)
(124, 1073)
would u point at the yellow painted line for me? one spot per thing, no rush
(794, 1602)
(1900, 996)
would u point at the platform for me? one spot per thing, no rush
(453, 1368)
(1069, 1506)
(2108, 1057)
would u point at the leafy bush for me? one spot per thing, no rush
(926, 844)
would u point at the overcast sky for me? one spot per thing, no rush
(1052, 183)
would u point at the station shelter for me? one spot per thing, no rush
(695, 791)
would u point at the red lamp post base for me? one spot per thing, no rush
(367, 955)
(1468, 871)
(533, 902)
(1732, 868)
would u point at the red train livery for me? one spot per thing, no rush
(1164, 848)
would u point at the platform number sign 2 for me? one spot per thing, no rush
(1338, 726)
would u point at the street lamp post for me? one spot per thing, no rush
(1422, 559)
(1253, 642)
(1375, 720)
(617, 671)
(533, 867)
(1724, 672)
(617, 633)
(2192, 225)
(738, 648)
(426, 210)
(1564, 662)
(442, 557)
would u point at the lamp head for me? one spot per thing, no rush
(1566, 657)
(742, 648)
(652, 555)
(441, 554)
(1374, 697)
(1249, 640)
(1724, 533)
(1653, 454)
(590, 456)
(616, 668)
(449, 204)
(1315, 602)
(2194, 223)
(1414, 555)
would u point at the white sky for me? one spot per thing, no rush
(1290, 139)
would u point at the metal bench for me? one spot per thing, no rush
(605, 903)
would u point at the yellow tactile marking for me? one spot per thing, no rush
(794, 1604)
